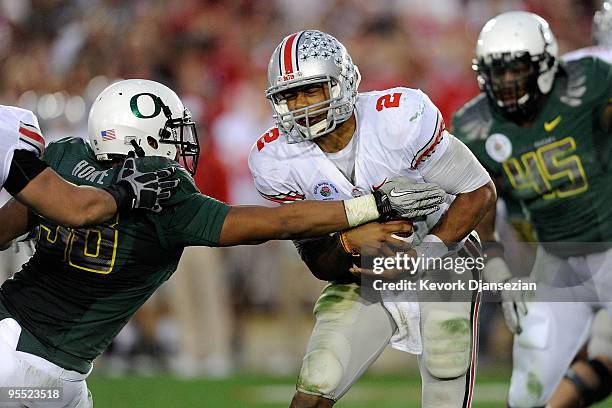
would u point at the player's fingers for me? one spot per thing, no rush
(165, 173)
(397, 242)
(521, 307)
(129, 163)
(358, 271)
(395, 222)
(421, 212)
(169, 184)
(397, 226)
(429, 200)
(389, 251)
(164, 195)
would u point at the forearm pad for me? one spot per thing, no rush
(326, 259)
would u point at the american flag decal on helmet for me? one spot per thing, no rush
(287, 57)
(108, 135)
(283, 198)
(30, 135)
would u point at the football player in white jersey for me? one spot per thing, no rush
(29, 179)
(332, 143)
(585, 381)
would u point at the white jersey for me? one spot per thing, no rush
(19, 130)
(399, 132)
(604, 53)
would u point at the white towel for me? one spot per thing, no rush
(407, 317)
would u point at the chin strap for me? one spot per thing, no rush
(139, 150)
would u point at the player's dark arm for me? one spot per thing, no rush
(15, 222)
(34, 184)
(465, 213)
(330, 258)
(397, 197)
(326, 258)
(459, 173)
(65, 203)
(255, 224)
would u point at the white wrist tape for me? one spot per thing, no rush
(361, 210)
(496, 270)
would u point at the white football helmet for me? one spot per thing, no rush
(146, 117)
(602, 25)
(305, 58)
(516, 61)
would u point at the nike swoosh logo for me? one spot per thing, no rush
(374, 188)
(394, 193)
(549, 126)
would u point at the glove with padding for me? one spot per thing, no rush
(401, 197)
(142, 190)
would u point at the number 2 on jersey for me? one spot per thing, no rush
(269, 137)
(89, 249)
(388, 101)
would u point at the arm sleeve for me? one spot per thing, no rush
(326, 259)
(442, 159)
(25, 166)
(30, 137)
(457, 171)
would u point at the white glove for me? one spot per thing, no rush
(401, 197)
(398, 198)
(513, 301)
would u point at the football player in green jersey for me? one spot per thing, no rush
(25, 176)
(541, 128)
(82, 285)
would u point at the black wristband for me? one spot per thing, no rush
(25, 166)
(122, 194)
(383, 205)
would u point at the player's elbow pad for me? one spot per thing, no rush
(457, 170)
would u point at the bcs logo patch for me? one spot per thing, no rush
(325, 191)
(499, 147)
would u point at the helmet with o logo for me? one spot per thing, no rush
(146, 116)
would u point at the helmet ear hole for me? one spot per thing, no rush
(152, 142)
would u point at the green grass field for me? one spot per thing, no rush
(268, 392)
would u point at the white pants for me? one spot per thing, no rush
(554, 331)
(350, 333)
(19, 369)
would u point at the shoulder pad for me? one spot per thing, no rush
(576, 80)
(473, 121)
(64, 143)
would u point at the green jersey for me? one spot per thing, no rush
(559, 168)
(83, 285)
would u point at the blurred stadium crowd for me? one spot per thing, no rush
(241, 308)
